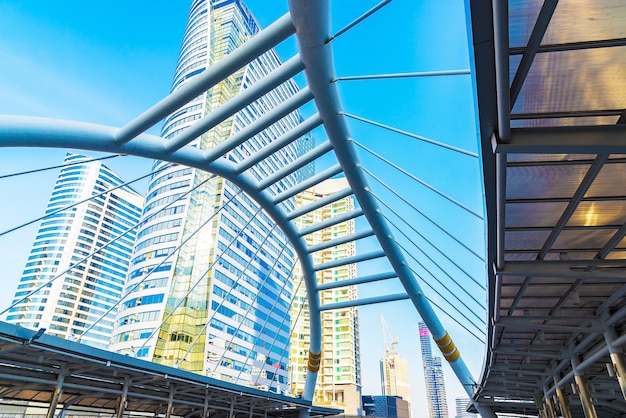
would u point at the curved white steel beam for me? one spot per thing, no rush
(312, 22)
(23, 131)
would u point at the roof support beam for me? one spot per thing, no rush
(525, 323)
(366, 301)
(541, 24)
(358, 280)
(340, 240)
(563, 269)
(266, 39)
(335, 220)
(599, 139)
(280, 75)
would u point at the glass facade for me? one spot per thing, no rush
(433, 376)
(214, 268)
(78, 300)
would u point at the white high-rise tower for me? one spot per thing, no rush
(75, 301)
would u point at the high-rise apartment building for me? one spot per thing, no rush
(209, 287)
(433, 377)
(461, 403)
(339, 378)
(79, 299)
(394, 370)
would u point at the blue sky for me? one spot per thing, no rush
(105, 62)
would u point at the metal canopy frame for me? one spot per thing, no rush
(92, 379)
(551, 91)
(309, 21)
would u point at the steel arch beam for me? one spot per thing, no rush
(24, 131)
(312, 22)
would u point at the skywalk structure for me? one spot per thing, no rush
(551, 90)
(556, 307)
(309, 22)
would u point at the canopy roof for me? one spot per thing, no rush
(551, 84)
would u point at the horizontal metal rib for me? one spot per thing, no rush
(340, 240)
(572, 46)
(235, 104)
(331, 222)
(358, 280)
(350, 260)
(320, 203)
(280, 142)
(598, 139)
(365, 301)
(298, 163)
(271, 117)
(275, 33)
(565, 269)
(316, 179)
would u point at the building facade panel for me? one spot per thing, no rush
(222, 288)
(79, 302)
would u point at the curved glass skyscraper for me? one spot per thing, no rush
(210, 287)
(76, 304)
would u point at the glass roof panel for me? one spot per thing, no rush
(609, 182)
(525, 240)
(540, 214)
(582, 20)
(578, 80)
(541, 182)
(576, 121)
(586, 239)
(514, 158)
(572, 21)
(522, 16)
(599, 213)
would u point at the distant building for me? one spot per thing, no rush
(461, 403)
(75, 301)
(385, 406)
(433, 376)
(394, 371)
(339, 377)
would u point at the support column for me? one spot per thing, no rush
(56, 395)
(583, 390)
(540, 408)
(170, 403)
(617, 358)
(563, 406)
(304, 413)
(121, 406)
(205, 410)
(231, 414)
(550, 408)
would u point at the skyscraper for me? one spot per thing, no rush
(461, 403)
(77, 298)
(210, 286)
(433, 377)
(339, 379)
(394, 370)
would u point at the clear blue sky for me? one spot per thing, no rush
(105, 62)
